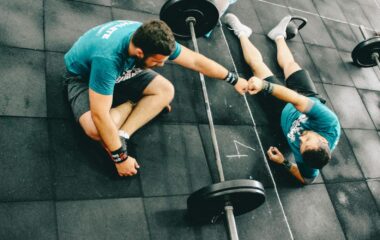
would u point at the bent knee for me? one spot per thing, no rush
(169, 91)
(89, 127)
(290, 68)
(92, 133)
(163, 87)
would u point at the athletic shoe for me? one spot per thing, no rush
(280, 28)
(235, 24)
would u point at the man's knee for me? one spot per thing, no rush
(89, 127)
(163, 87)
(290, 68)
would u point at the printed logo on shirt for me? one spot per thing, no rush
(112, 29)
(127, 74)
(296, 127)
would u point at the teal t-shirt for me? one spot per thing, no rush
(101, 54)
(319, 119)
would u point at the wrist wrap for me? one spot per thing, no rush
(119, 155)
(232, 78)
(267, 87)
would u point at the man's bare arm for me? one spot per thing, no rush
(198, 62)
(276, 156)
(300, 102)
(100, 106)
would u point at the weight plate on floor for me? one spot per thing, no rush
(362, 53)
(296, 23)
(175, 13)
(206, 203)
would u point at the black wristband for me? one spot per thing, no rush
(267, 87)
(232, 78)
(287, 164)
(120, 155)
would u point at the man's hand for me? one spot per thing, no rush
(128, 167)
(241, 86)
(275, 155)
(255, 85)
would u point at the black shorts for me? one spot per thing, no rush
(300, 82)
(130, 89)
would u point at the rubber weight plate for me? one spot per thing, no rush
(175, 13)
(362, 53)
(206, 203)
(296, 23)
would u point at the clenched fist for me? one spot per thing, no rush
(241, 86)
(275, 155)
(255, 85)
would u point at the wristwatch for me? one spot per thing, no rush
(287, 164)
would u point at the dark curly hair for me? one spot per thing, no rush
(154, 37)
(318, 157)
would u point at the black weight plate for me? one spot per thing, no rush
(292, 29)
(175, 13)
(362, 53)
(206, 203)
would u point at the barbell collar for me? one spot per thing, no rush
(191, 20)
(375, 57)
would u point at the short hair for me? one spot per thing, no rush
(154, 37)
(317, 157)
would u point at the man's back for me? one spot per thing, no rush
(108, 41)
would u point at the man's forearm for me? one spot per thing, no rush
(300, 102)
(198, 62)
(107, 131)
(210, 68)
(293, 169)
(285, 94)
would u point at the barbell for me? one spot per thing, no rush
(367, 52)
(191, 19)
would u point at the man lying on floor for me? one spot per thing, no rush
(311, 129)
(113, 91)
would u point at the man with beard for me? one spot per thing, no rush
(311, 129)
(112, 88)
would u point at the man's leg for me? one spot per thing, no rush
(251, 54)
(285, 57)
(297, 79)
(120, 113)
(156, 96)
(254, 59)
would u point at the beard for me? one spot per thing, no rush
(140, 62)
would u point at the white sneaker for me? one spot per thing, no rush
(280, 28)
(235, 24)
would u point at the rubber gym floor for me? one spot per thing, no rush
(56, 184)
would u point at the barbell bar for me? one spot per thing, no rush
(192, 19)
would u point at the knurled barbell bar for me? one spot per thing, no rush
(195, 18)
